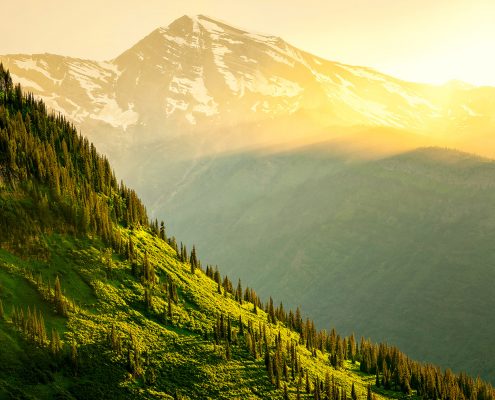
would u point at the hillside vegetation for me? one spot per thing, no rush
(97, 302)
(400, 248)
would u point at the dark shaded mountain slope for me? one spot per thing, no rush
(401, 247)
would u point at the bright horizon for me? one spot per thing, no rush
(422, 41)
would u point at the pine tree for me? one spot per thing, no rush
(353, 392)
(147, 299)
(269, 367)
(327, 386)
(276, 371)
(286, 394)
(74, 358)
(169, 307)
(193, 260)
(228, 351)
(59, 300)
(2, 313)
(238, 293)
(241, 325)
(55, 343)
(163, 236)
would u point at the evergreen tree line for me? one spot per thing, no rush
(39, 150)
(31, 324)
(393, 369)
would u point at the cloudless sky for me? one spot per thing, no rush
(420, 40)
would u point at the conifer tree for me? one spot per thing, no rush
(327, 386)
(74, 358)
(169, 308)
(238, 293)
(59, 300)
(353, 392)
(193, 260)
(163, 236)
(55, 343)
(269, 367)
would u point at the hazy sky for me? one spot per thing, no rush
(421, 40)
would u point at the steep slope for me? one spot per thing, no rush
(102, 305)
(399, 247)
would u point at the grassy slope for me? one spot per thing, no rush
(400, 248)
(184, 360)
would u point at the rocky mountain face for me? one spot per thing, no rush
(204, 78)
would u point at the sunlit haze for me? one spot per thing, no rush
(417, 40)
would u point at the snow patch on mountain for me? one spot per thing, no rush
(411, 98)
(264, 39)
(178, 40)
(190, 118)
(210, 26)
(363, 73)
(280, 58)
(274, 86)
(89, 71)
(111, 113)
(345, 82)
(25, 82)
(219, 53)
(197, 89)
(248, 60)
(77, 114)
(29, 64)
(110, 67)
(172, 104)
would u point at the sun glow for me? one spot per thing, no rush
(468, 59)
(420, 40)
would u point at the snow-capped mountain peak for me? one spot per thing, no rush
(200, 74)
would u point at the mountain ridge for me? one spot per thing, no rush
(272, 69)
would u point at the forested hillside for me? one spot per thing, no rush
(98, 302)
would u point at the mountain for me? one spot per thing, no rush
(96, 302)
(200, 76)
(228, 134)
